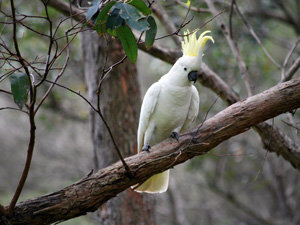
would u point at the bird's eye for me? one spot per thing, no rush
(184, 68)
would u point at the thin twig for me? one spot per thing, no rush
(284, 76)
(166, 21)
(291, 125)
(12, 108)
(267, 151)
(230, 18)
(204, 119)
(192, 8)
(194, 135)
(4, 91)
(292, 70)
(31, 119)
(59, 75)
(183, 25)
(74, 92)
(105, 73)
(257, 38)
(235, 50)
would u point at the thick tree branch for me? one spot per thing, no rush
(89, 193)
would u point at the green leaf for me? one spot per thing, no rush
(141, 6)
(132, 17)
(103, 13)
(128, 41)
(20, 85)
(93, 10)
(100, 26)
(140, 25)
(151, 33)
(114, 20)
(112, 32)
(128, 11)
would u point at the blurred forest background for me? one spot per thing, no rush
(236, 183)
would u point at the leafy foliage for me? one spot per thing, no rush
(150, 34)
(19, 87)
(117, 17)
(93, 10)
(128, 42)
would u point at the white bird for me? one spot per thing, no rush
(171, 105)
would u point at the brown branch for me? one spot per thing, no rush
(234, 48)
(287, 76)
(161, 14)
(89, 193)
(252, 32)
(32, 91)
(292, 70)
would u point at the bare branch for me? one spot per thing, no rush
(161, 14)
(252, 32)
(235, 50)
(292, 70)
(195, 9)
(4, 91)
(48, 66)
(285, 77)
(31, 143)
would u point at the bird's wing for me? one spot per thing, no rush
(193, 110)
(147, 109)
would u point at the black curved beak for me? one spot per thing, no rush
(192, 76)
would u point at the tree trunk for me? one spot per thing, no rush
(120, 104)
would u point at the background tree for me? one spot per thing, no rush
(238, 174)
(119, 101)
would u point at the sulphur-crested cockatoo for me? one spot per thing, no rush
(171, 105)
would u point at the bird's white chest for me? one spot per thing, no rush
(171, 110)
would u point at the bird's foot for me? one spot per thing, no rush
(175, 136)
(146, 148)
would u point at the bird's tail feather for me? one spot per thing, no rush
(156, 184)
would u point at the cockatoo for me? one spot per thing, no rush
(171, 105)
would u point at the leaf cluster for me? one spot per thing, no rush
(118, 18)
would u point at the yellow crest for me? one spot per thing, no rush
(191, 45)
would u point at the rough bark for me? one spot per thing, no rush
(120, 104)
(89, 193)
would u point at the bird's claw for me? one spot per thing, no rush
(146, 148)
(175, 136)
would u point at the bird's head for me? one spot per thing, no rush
(192, 47)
